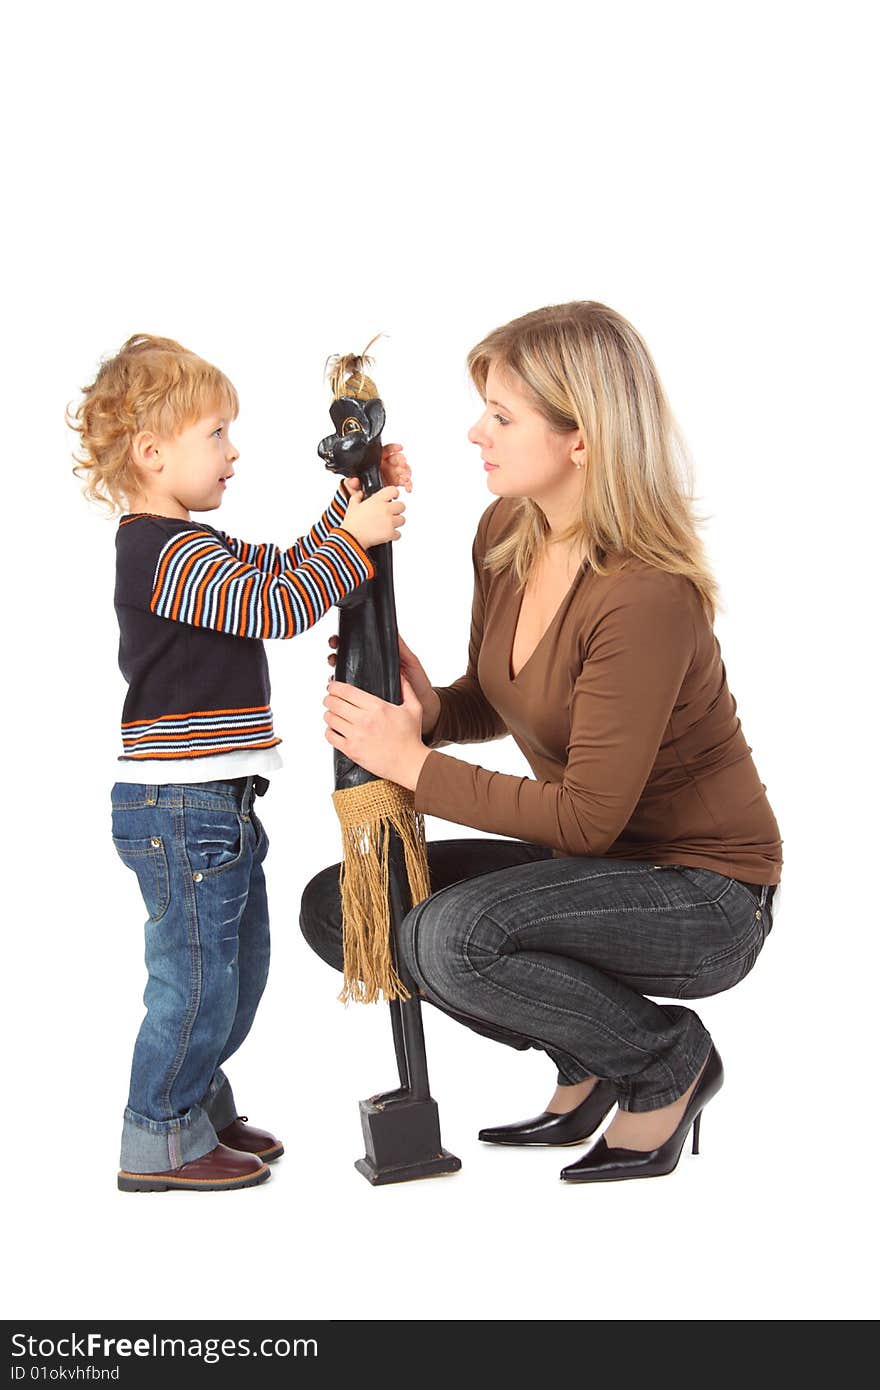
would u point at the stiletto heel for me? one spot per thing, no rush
(603, 1164)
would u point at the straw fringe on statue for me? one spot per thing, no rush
(369, 807)
(365, 814)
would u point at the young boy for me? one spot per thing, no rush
(198, 740)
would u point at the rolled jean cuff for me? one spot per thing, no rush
(154, 1146)
(688, 1065)
(564, 1080)
(568, 1071)
(218, 1102)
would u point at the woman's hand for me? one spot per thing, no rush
(393, 467)
(380, 737)
(415, 673)
(413, 670)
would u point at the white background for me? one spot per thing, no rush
(270, 184)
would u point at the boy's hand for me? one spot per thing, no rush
(374, 520)
(394, 470)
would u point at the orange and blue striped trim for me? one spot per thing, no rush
(199, 733)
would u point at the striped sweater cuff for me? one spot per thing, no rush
(354, 552)
(338, 506)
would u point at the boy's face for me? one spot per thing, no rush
(189, 471)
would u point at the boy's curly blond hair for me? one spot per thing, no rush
(150, 384)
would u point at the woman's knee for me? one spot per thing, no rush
(445, 942)
(320, 915)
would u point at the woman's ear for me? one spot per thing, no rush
(579, 453)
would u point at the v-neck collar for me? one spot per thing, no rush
(517, 610)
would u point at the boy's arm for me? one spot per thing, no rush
(196, 580)
(269, 558)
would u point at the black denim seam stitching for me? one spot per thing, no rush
(570, 1013)
(565, 883)
(540, 888)
(662, 1097)
(415, 915)
(652, 975)
(757, 901)
(613, 873)
(624, 1085)
(482, 973)
(740, 948)
(600, 911)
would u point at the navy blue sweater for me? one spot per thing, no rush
(194, 605)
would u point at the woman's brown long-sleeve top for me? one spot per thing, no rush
(624, 716)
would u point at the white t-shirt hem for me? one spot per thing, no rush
(242, 762)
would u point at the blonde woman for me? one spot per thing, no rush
(644, 853)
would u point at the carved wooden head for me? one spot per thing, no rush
(357, 441)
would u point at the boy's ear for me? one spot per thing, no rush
(145, 452)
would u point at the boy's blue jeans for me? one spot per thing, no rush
(198, 854)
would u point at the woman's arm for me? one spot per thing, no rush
(621, 705)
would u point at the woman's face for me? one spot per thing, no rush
(522, 456)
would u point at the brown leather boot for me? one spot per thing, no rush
(250, 1140)
(216, 1171)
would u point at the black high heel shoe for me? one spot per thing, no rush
(603, 1164)
(572, 1127)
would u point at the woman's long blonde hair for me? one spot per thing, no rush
(587, 368)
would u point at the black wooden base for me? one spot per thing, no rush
(402, 1140)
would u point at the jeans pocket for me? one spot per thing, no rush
(753, 897)
(262, 842)
(215, 840)
(148, 861)
(726, 968)
(661, 986)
